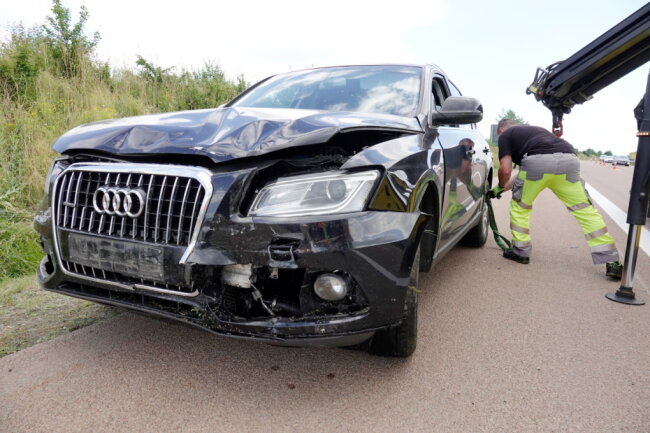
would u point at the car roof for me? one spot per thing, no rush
(409, 65)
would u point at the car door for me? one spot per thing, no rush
(481, 156)
(464, 167)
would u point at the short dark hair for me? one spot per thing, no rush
(506, 123)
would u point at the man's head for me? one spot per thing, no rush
(505, 124)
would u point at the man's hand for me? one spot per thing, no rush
(495, 192)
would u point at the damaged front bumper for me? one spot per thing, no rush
(371, 251)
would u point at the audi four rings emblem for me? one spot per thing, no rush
(119, 201)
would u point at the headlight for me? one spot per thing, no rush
(319, 194)
(55, 169)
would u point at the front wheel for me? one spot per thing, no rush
(477, 236)
(400, 340)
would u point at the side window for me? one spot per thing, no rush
(453, 89)
(440, 93)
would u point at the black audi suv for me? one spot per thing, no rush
(299, 213)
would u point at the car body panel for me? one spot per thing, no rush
(224, 133)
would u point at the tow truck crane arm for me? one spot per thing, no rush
(609, 57)
(612, 55)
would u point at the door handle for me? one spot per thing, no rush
(486, 150)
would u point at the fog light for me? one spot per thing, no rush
(331, 287)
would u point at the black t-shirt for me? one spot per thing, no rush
(521, 140)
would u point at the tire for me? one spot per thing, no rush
(400, 341)
(478, 235)
(428, 244)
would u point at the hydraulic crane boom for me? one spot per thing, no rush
(612, 55)
(609, 57)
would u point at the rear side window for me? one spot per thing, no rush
(453, 89)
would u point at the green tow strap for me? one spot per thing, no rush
(501, 240)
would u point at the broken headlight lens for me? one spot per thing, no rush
(55, 170)
(319, 194)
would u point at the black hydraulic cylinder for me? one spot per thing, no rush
(638, 207)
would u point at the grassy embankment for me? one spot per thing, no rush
(50, 83)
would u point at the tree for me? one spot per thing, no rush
(591, 152)
(152, 73)
(68, 44)
(20, 63)
(608, 153)
(511, 115)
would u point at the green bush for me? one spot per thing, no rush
(19, 249)
(50, 83)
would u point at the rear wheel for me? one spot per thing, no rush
(400, 340)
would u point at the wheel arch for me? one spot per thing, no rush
(429, 205)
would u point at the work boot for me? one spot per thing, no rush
(614, 270)
(509, 254)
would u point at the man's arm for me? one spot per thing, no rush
(506, 178)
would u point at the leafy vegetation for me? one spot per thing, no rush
(511, 115)
(67, 44)
(50, 82)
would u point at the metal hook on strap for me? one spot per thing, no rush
(558, 128)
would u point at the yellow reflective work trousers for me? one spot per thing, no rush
(560, 172)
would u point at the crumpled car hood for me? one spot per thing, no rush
(223, 133)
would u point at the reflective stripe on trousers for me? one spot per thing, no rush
(560, 172)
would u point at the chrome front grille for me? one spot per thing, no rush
(127, 281)
(170, 211)
(171, 204)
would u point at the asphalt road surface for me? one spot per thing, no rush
(503, 347)
(613, 181)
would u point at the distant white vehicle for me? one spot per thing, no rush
(607, 159)
(622, 160)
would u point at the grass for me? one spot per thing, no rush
(19, 249)
(47, 104)
(30, 315)
(50, 82)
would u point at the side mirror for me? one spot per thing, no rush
(458, 110)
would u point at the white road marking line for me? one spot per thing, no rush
(619, 217)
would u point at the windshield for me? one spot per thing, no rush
(371, 89)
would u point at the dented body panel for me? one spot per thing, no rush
(222, 134)
(253, 276)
